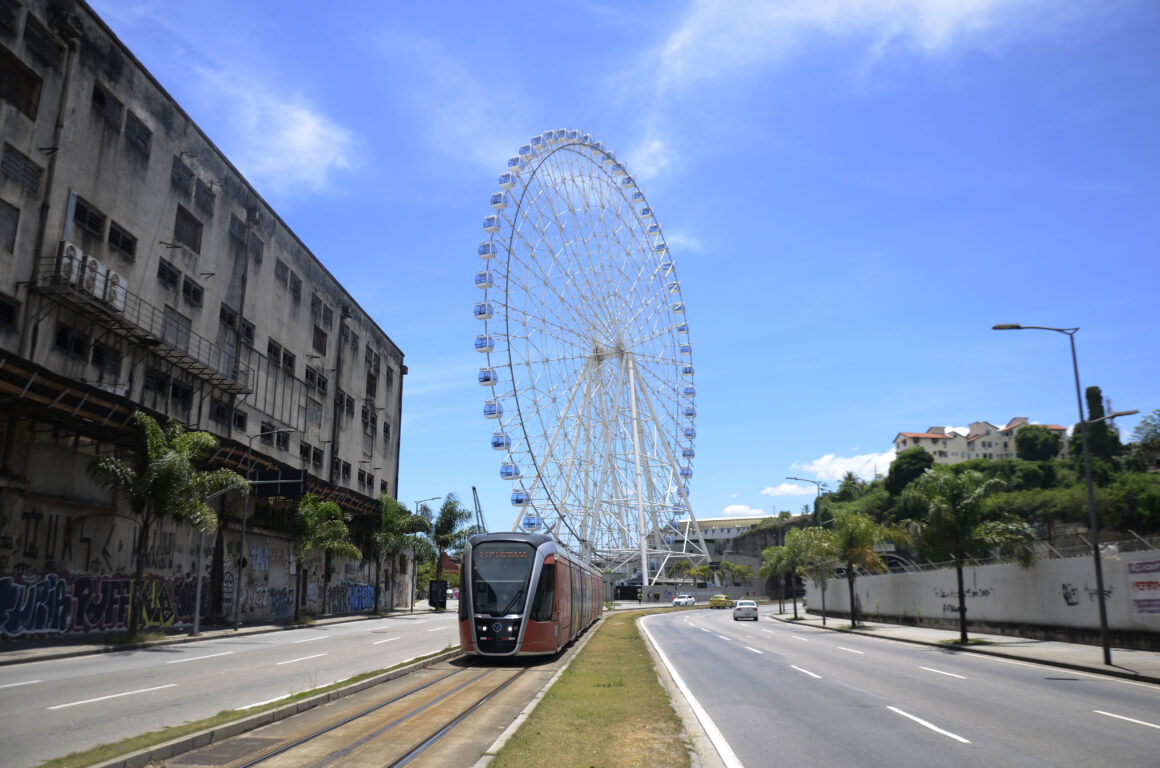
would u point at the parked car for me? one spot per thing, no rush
(745, 609)
(684, 599)
(720, 601)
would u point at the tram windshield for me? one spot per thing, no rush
(499, 576)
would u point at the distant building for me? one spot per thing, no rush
(982, 441)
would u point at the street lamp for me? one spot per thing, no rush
(817, 508)
(1087, 473)
(414, 558)
(245, 512)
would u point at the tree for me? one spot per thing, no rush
(399, 531)
(161, 482)
(1147, 432)
(850, 488)
(319, 525)
(1103, 443)
(854, 537)
(1037, 443)
(449, 530)
(735, 572)
(907, 466)
(955, 519)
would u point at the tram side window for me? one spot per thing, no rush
(545, 594)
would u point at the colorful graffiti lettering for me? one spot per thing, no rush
(41, 608)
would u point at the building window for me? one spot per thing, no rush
(8, 309)
(346, 470)
(122, 242)
(295, 287)
(71, 341)
(16, 166)
(19, 85)
(187, 229)
(228, 316)
(246, 332)
(386, 431)
(9, 219)
(181, 175)
(106, 360)
(383, 486)
(315, 306)
(282, 440)
(176, 328)
(350, 406)
(156, 382)
(304, 450)
(240, 420)
(267, 433)
(322, 384)
(237, 229)
(181, 395)
(288, 362)
(281, 271)
(167, 274)
(372, 385)
(107, 105)
(219, 411)
(327, 317)
(319, 340)
(316, 457)
(205, 197)
(313, 411)
(88, 218)
(39, 40)
(192, 292)
(137, 133)
(273, 353)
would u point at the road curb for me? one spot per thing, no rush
(997, 652)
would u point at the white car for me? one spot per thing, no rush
(683, 599)
(745, 609)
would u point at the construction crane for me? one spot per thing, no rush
(482, 526)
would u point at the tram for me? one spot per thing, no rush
(523, 595)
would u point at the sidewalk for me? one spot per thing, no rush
(19, 650)
(1142, 666)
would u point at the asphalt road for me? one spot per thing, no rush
(54, 707)
(791, 695)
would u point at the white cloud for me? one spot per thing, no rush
(831, 467)
(649, 158)
(741, 510)
(789, 489)
(279, 140)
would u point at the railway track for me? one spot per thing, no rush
(403, 723)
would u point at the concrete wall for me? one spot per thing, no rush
(1055, 594)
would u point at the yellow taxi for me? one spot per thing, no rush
(720, 601)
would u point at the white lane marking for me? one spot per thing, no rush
(851, 650)
(724, 638)
(14, 685)
(754, 650)
(940, 672)
(704, 629)
(380, 642)
(723, 749)
(438, 629)
(112, 696)
(799, 637)
(304, 658)
(931, 726)
(199, 658)
(806, 672)
(767, 631)
(1129, 719)
(310, 639)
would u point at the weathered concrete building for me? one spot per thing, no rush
(140, 271)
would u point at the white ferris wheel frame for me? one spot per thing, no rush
(589, 363)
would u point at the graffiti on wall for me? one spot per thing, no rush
(350, 598)
(51, 605)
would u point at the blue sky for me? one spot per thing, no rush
(854, 192)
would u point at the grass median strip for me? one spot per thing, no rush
(607, 709)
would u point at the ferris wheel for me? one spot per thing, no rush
(588, 362)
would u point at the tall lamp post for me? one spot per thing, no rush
(1087, 473)
(245, 512)
(817, 508)
(414, 559)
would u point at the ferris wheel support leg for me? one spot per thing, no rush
(636, 458)
(704, 551)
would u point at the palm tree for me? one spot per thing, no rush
(319, 525)
(399, 531)
(161, 482)
(449, 532)
(954, 519)
(854, 537)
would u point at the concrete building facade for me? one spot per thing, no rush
(982, 441)
(139, 270)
